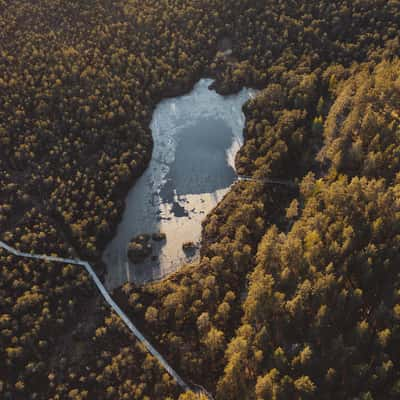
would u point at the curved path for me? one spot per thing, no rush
(114, 305)
(110, 302)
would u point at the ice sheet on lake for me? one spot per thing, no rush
(196, 138)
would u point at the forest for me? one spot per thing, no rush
(297, 291)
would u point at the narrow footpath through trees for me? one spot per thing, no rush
(110, 302)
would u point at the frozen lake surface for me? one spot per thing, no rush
(196, 138)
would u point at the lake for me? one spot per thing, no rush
(196, 138)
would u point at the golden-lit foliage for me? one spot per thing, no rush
(362, 128)
(329, 234)
(320, 311)
(296, 294)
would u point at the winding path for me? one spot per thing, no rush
(114, 305)
(110, 302)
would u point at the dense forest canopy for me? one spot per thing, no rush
(297, 292)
